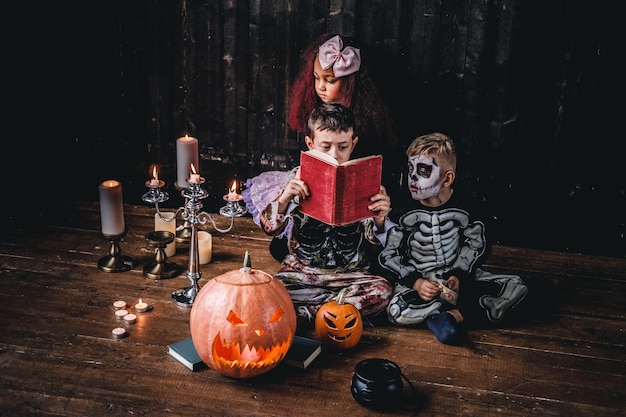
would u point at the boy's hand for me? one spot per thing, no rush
(296, 188)
(428, 290)
(381, 206)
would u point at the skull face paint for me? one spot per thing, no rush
(424, 177)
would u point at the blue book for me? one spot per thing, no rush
(185, 353)
(302, 352)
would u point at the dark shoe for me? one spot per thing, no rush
(444, 327)
(278, 248)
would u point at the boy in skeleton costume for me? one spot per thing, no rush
(436, 251)
(323, 259)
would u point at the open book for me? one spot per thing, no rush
(340, 193)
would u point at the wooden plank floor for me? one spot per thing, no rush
(563, 356)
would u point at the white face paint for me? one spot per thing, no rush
(424, 177)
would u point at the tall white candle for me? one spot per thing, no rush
(205, 247)
(186, 154)
(168, 226)
(112, 208)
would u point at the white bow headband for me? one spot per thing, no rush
(344, 62)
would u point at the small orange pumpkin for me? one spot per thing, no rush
(243, 322)
(339, 324)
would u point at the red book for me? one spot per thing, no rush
(340, 193)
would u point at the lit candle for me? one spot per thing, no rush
(169, 225)
(194, 177)
(141, 307)
(232, 192)
(112, 208)
(186, 155)
(205, 247)
(154, 182)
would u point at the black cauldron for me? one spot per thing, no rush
(377, 384)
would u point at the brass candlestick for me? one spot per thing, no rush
(160, 268)
(115, 261)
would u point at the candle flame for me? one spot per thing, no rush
(140, 302)
(155, 174)
(233, 187)
(193, 169)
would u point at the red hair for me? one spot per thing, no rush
(304, 97)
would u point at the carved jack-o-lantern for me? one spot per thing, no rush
(242, 322)
(339, 324)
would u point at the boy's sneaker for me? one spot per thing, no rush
(444, 327)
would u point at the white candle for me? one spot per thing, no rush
(168, 226)
(194, 178)
(154, 182)
(118, 332)
(141, 307)
(232, 192)
(119, 305)
(112, 208)
(119, 314)
(205, 247)
(186, 154)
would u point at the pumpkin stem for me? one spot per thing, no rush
(342, 295)
(247, 263)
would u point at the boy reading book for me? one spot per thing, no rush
(323, 258)
(339, 193)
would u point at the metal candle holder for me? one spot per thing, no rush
(193, 216)
(232, 207)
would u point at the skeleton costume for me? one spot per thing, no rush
(436, 242)
(322, 259)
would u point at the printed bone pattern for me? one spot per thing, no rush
(324, 246)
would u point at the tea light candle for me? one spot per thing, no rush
(141, 307)
(119, 305)
(205, 247)
(119, 314)
(130, 318)
(112, 208)
(186, 155)
(118, 332)
(169, 225)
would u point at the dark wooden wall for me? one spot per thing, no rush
(527, 88)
